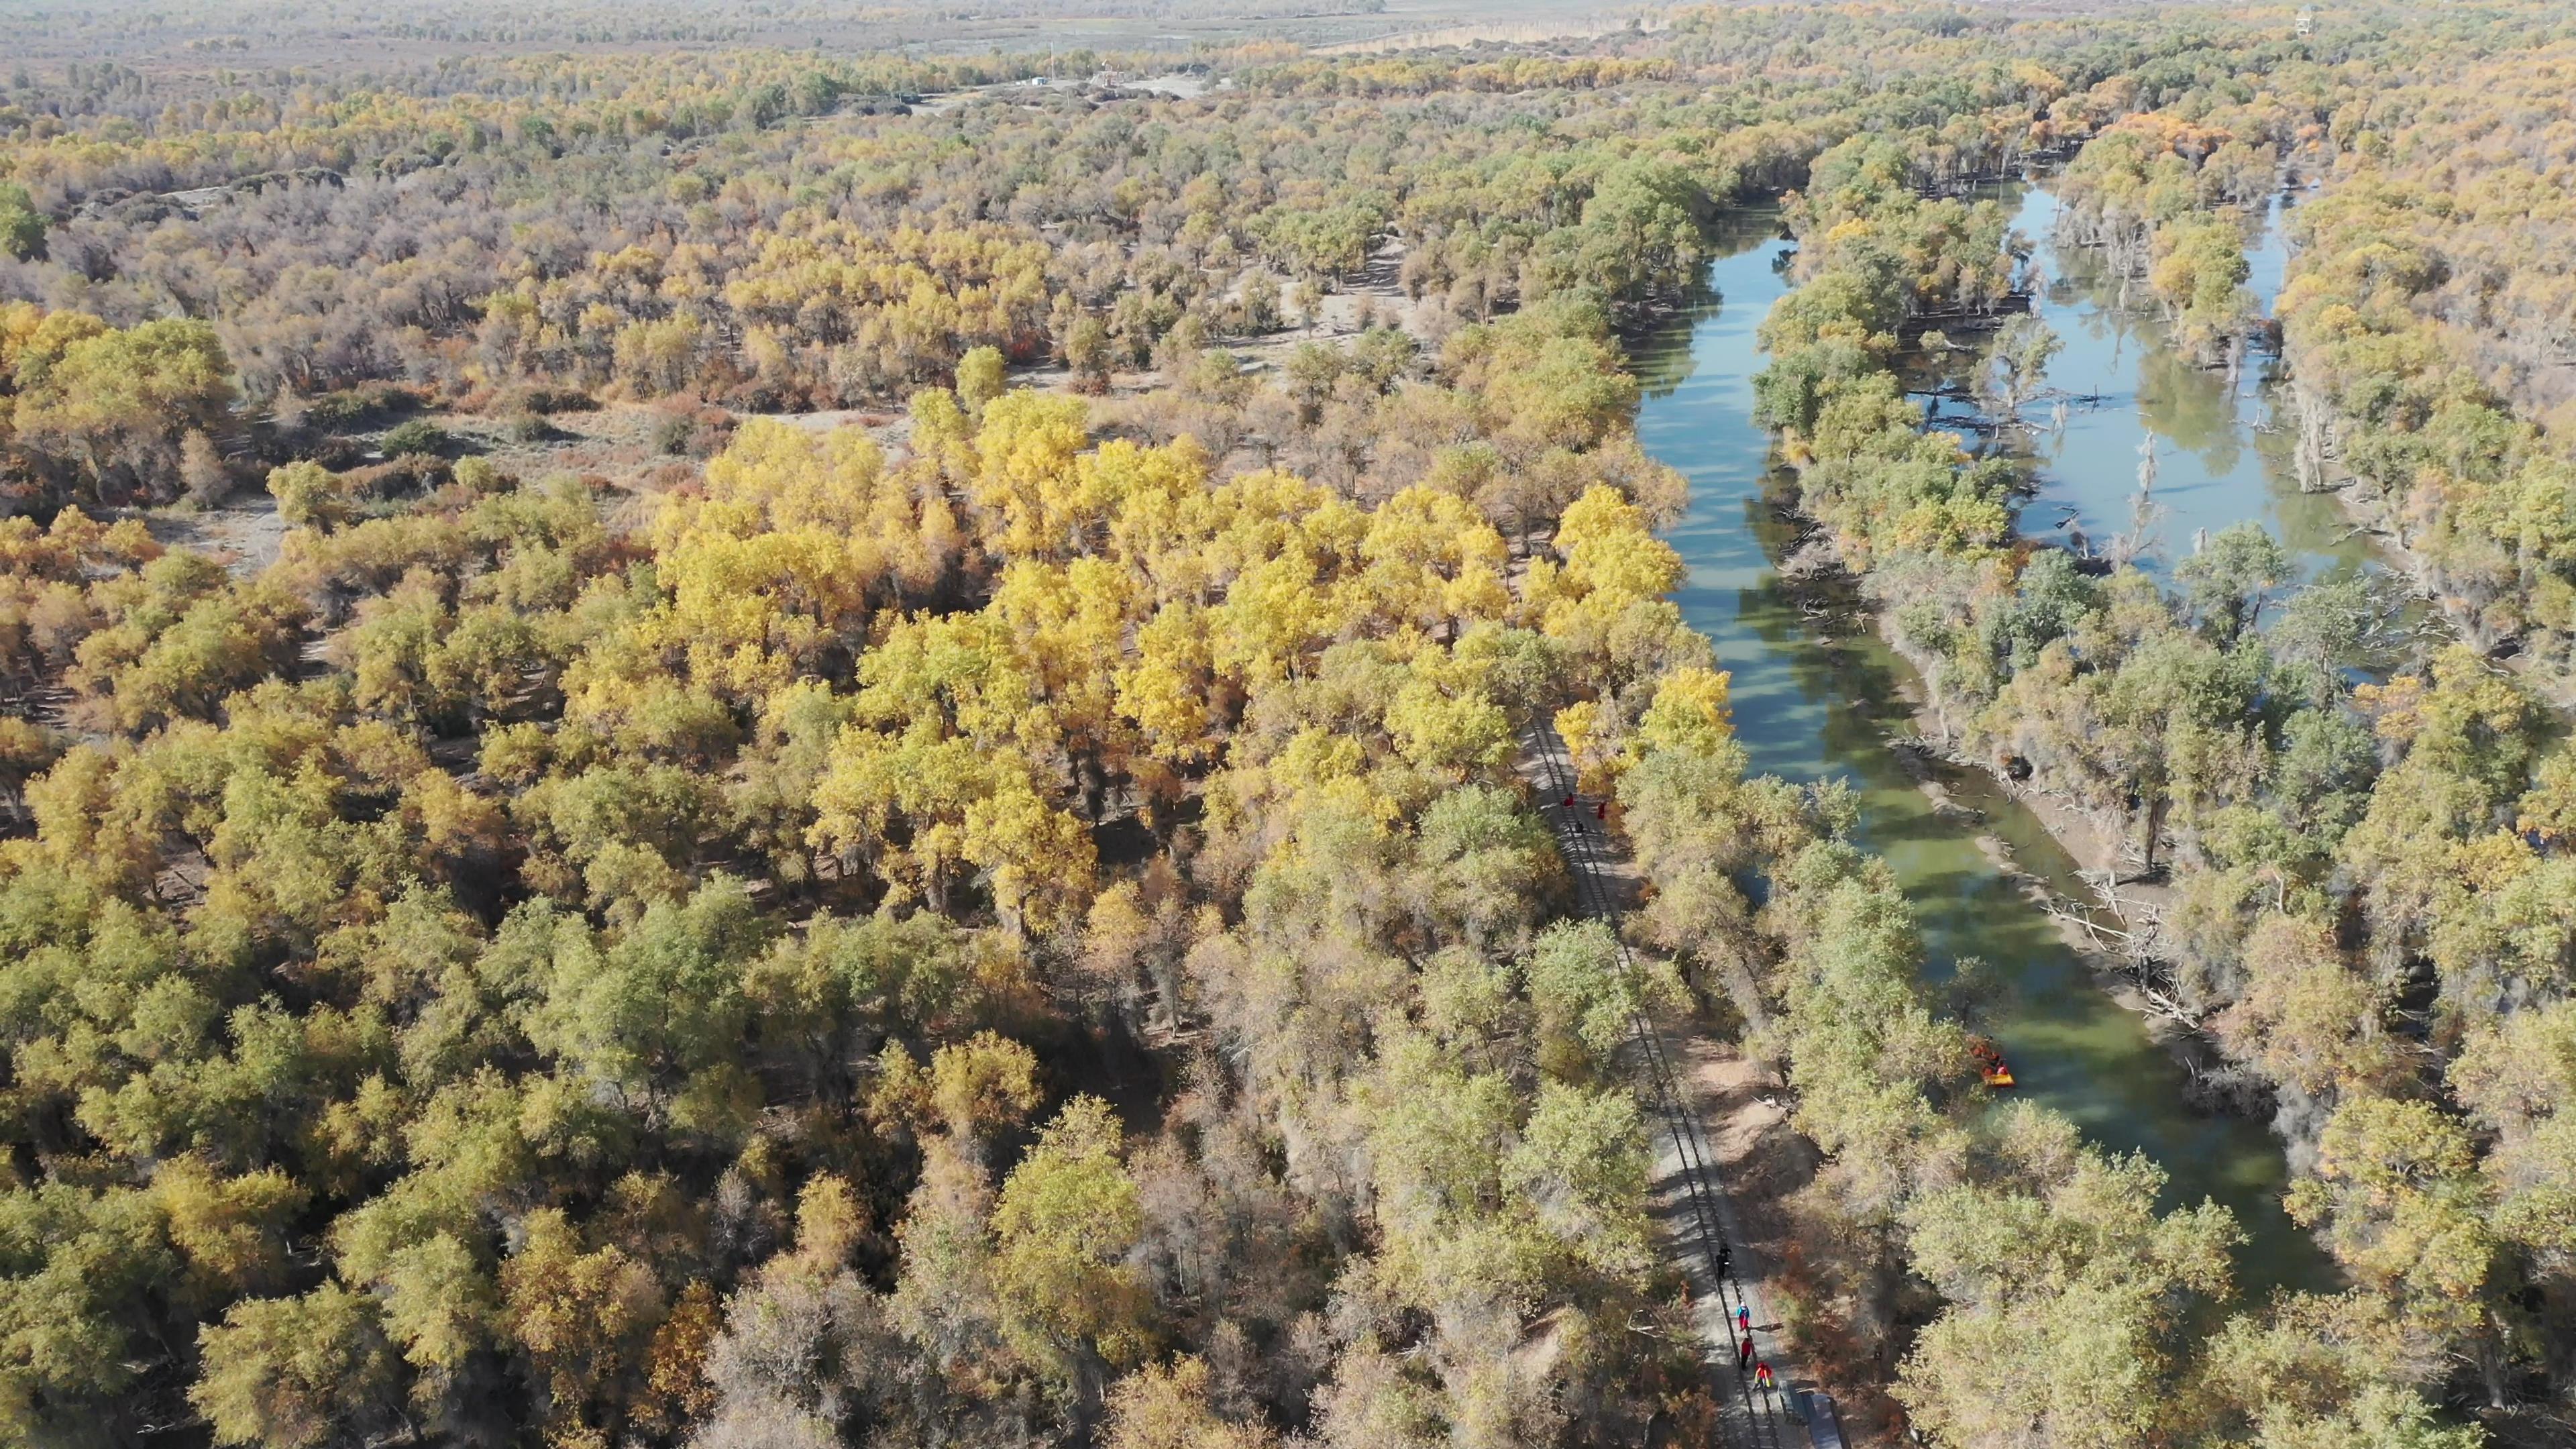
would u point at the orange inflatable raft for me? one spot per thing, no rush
(1991, 1064)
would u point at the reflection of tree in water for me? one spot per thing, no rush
(2214, 425)
(2082, 290)
(2190, 407)
(1662, 356)
(1850, 703)
(2311, 525)
(1819, 628)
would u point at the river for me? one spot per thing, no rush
(1813, 706)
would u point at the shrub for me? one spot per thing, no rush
(691, 430)
(547, 401)
(479, 475)
(357, 406)
(202, 470)
(415, 437)
(308, 494)
(409, 473)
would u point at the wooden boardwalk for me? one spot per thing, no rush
(1699, 1224)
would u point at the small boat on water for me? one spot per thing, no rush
(1991, 1065)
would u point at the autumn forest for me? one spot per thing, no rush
(767, 730)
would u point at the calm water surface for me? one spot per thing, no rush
(2220, 455)
(1811, 710)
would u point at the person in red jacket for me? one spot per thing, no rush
(1744, 1354)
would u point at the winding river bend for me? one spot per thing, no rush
(1809, 707)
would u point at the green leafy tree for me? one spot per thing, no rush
(984, 1084)
(2069, 1290)
(22, 226)
(117, 404)
(2397, 1191)
(2015, 364)
(1639, 237)
(1587, 1002)
(297, 1372)
(1583, 1166)
(652, 1014)
(2227, 582)
(1063, 1226)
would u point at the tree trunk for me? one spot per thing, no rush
(2156, 807)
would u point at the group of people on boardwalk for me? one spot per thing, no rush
(1746, 1355)
(1744, 1350)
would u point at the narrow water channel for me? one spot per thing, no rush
(1812, 708)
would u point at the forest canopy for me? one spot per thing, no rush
(719, 739)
